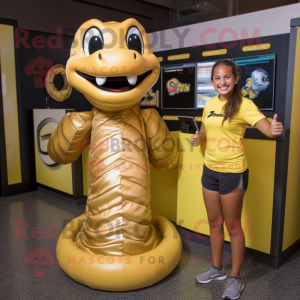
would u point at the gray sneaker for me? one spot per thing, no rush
(234, 288)
(211, 274)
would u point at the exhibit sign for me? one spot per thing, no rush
(257, 79)
(257, 47)
(205, 89)
(48, 172)
(178, 86)
(179, 56)
(214, 52)
(171, 118)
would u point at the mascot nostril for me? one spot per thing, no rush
(118, 244)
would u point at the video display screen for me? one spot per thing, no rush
(205, 90)
(178, 86)
(257, 76)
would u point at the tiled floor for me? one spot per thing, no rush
(36, 209)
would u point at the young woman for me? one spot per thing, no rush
(225, 170)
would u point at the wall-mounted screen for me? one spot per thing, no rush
(257, 77)
(205, 90)
(178, 86)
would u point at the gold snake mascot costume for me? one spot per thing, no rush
(117, 245)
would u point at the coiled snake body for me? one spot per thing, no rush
(125, 142)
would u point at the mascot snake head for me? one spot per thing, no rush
(112, 63)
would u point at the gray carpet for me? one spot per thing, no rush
(41, 210)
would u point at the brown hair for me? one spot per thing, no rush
(233, 104)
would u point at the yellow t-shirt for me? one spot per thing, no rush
(225, 147)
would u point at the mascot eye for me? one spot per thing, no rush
(92, 41)
(134, 40)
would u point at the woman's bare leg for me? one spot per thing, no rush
(232, 204)
(216, 220)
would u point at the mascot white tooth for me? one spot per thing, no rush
(258, 82)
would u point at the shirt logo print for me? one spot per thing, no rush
(213, 114)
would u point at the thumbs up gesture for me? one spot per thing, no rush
(276, 127)
(195, 141)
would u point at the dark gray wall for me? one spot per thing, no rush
(47, 16)
(257, 5)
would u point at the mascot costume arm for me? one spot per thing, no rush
(71, 137)
(162, 149)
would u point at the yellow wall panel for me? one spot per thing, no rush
(258, 201)
(191, 211)
(291, 232)
(10, 104)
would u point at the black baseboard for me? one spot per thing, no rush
(16, 191)
(250, 254)
(287, 253)
(63, 196)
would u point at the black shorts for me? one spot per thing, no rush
(224, 183)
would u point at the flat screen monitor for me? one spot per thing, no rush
(178, 86)
(257, 77)
(205, 90)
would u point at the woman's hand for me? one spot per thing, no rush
(195, 140)
(276, 127)
(271, 130)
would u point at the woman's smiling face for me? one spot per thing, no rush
(224, 80)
